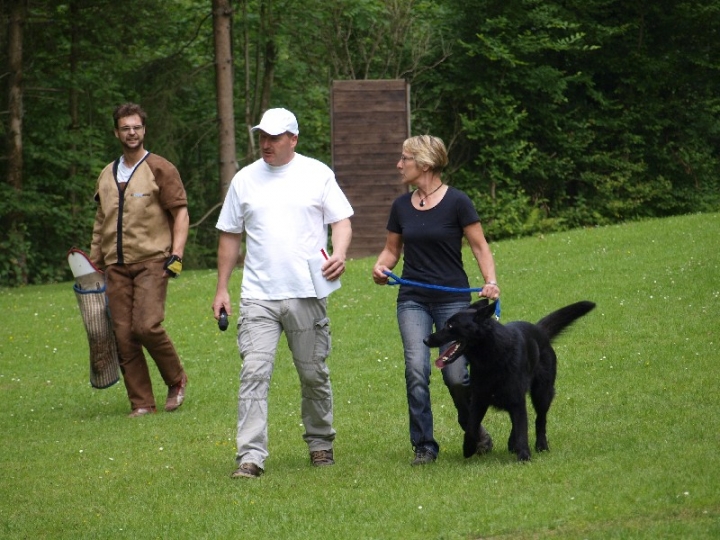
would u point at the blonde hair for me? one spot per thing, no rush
(427, 150)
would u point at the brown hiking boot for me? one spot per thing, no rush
(247, 470)
(176, 394)
(141, 411)
(322, 458)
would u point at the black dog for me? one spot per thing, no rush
(506, 362)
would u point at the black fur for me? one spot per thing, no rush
(507, 362)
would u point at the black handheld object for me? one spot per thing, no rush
(223, 320)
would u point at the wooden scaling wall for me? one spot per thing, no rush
(370, 119)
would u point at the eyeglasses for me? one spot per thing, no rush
(128, 129)
(405, 158)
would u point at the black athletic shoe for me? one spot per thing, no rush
(423, 457)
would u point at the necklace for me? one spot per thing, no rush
(422, 200)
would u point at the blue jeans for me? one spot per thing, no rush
(416, 321)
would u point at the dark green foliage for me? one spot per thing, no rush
(128, 57)
(557, 114)
(581, 113)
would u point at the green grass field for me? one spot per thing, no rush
(634, 430)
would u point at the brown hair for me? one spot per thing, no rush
(128, 109)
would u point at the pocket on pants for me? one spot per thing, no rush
(323, 341)
(244, 339)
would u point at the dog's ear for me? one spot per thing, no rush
(479, 304)
(485, 311)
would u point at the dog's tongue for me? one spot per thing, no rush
(442, 360)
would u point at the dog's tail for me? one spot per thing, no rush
(555, 323)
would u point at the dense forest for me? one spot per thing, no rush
(557, 113)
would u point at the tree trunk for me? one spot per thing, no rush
(250, 150)
(73, 101)
(258, 91)
(222, 30)
(15, 97)
(269, 28)
(15, 147)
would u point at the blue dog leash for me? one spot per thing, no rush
(395, 280)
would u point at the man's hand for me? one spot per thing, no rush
(173, 266)
(333, 268)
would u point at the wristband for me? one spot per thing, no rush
(173, 265)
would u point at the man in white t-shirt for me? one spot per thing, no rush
(283, 203)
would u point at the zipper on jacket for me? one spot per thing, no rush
(121, 204)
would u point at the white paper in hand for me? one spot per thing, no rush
(323, 287)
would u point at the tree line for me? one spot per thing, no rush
(557, 113)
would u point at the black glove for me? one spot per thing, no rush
(173, 265)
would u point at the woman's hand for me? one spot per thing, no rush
(378, 274)
(490, 290)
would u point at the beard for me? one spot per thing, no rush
(133, 144)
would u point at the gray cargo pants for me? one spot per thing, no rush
(307, 328)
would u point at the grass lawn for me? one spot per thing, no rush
(634, 430)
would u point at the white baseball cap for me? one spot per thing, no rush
(277, 122)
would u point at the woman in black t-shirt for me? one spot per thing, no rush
(427, 226)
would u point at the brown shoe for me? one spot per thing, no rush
(176, 394)
(247, 470)
(322, 458)
(141, 411)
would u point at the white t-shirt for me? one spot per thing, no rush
(124, 172)
(285, 212)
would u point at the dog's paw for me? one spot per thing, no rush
(469, 446)
(541, 446)
(524, 455)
